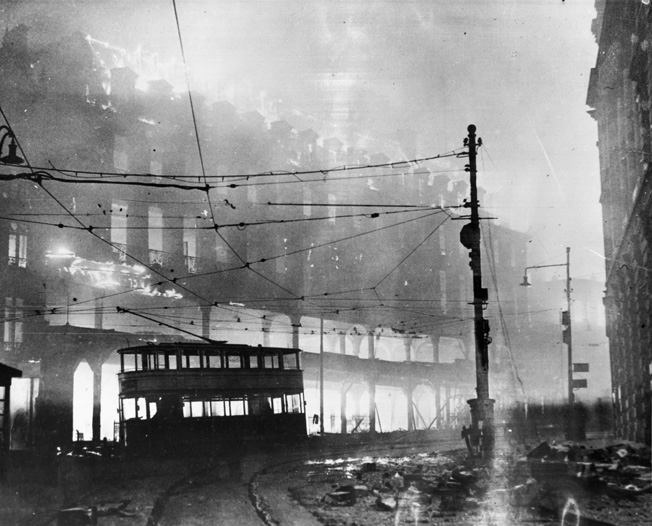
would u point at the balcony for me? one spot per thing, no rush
(191, 264)
(13, 261)
(121, 250)
(158, 257)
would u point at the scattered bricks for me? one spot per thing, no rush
(397, 482)
(464, 477)
(413, 478)
(337, 498)
(105, 509)
(361, 490)
(622, 453)
(386, 503)
(542, 451)
(453, 502)
(549, 471)
(342, 496)
(524, 494)
(77, 517)
(413, 496)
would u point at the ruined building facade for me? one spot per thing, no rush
(620, 99)
(262, 258)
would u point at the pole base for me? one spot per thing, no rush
(482, 427)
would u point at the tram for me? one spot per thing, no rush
(177, 397)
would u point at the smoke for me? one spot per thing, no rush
(374, 71)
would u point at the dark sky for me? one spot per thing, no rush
(369, 71)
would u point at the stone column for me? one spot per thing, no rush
(267, 327)
(98, 305)
(205, 320)
(54, 403)
(438, 406)
(296, 325)
(410, 406)
(372, 342)
(96, 368)
(407, 341)
(434, 338)
(343, 391)
(356, 340)
(372, 405)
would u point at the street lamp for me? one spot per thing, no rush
(565, 320)
(12, 157)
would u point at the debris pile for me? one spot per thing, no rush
(612, 484)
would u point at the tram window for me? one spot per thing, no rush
(152, 409)
(277, 405)
(290, 361)
(237, 407)
(129, 361)
(234, 362)
(192, 408)
(152, 361)
(217, 407)
(160, 361)
(293, 403)
(215, 361)
(197, 408)
(192, 362)
(129, 408)
(253, 361)
(260, 405)
(172, 361)
(141, 408)
(271, 361)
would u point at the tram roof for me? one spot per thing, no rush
(210, 348)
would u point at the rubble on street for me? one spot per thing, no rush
(550, 482)
(541, 484)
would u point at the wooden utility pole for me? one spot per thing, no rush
(321, 376)
(567, 335)
(482, 407)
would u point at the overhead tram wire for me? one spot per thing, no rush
(90, 231)
(489, 249)
(271, 173)
(412, 251)
(127, 179)
(194, 121)
(239, 225)
(323, 180)
(333, 205)
(210, 205)
(185, 278)
(321, 245)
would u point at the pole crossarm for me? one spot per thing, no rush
(546, 266)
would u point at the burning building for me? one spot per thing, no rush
(229, 227)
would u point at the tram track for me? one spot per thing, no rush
(258, 465)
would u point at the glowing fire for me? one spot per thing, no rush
(109, 275)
